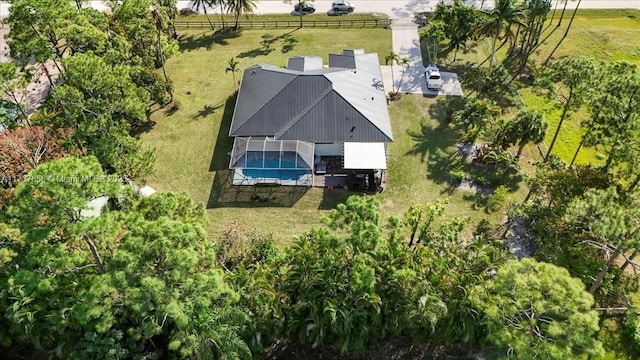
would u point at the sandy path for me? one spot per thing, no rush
(38, 89)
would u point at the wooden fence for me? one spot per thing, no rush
(372, 23)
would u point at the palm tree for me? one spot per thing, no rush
(232, 66)
(157, 18)
(475, 116)
(499, 23)
(221, 3)
(239, 7)
(564, 36)
(390, 59)
(569, 79)
(529, 127)
(203, 4)
(404, 62)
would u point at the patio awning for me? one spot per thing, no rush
(367, 156)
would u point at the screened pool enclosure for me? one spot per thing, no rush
(257, 161)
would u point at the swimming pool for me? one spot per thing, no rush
(274, 165)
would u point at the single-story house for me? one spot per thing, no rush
(308, 124)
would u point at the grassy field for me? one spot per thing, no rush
(192, 143)
(420, 158)
(191, 139)
(604, 34)
(283, 17)
(607, 35)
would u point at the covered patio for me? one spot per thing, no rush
(360, 167)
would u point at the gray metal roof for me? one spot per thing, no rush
(321, 105)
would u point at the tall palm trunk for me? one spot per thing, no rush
(562, 13)
(393, 80)
(300, 5)
(598, 281)
(565, 111)
(493, 53)
(161, 58)
(222, 14)
(520, 148)
(589, 128)
(208, 18)
(566, 32)
(553, 15)
(48, 74)
(629, 260)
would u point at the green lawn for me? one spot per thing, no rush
(192, 143)
(570, 133)
(420, 158)
(603, 34)
(282, 17)
(607, 35)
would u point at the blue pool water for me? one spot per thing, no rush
(287, 169)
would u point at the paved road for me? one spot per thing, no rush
(393, 8)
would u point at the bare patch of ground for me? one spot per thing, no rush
(39, 87)
(518, 240)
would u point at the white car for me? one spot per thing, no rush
(339, 6)
(434, 80)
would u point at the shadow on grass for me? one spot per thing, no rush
(331, 198)
(479, 82)
(267, 45)
(207, 110)
(207, 39)
(220, 157)
(142, 128)
(431, 144)
(224, 194)
(445, 107)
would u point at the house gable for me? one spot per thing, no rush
(259, 87)
(339, 120)
(318, 104)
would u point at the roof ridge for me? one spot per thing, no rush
(262, 67)
(304, 111)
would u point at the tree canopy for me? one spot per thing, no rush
(139, 280)
(538, 311)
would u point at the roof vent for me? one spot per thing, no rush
(352, 52)
(304, 63)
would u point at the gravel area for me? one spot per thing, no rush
(518, 240)
(466, 150)
(37, 89)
